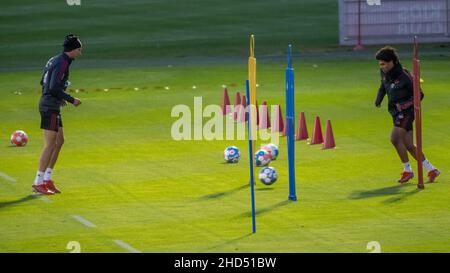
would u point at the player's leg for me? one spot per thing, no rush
(46, 154)
(49, 123)
(397, 139)
(397, 136)
(48, 172)
(57, 149)
(412, 149)
(49, 147)
(409, 143)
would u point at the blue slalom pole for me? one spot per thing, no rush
(290, 124)
(250, 150)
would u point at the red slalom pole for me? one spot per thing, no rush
(418, 112)
(359, 45)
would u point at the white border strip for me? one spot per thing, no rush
(7, 177)
(126, 246)
(45, 199)
(84, 221)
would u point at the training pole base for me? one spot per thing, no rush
(358, 48)
(421, 187)
(293, 198)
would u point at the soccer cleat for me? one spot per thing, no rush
(406, 176)
(42, 188)
(433, 174)
(51, 186)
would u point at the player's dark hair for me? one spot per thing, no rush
(387, 54)
(71, 42)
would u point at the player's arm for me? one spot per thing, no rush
(380, 95)
(410, 85)
(57, 82)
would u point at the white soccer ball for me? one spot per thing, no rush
(262, 158)
(268, 175)
(231, 154)
(272, 149)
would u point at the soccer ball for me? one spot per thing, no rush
(231, 154)
(262, 158)
(268, 175)
(272, 149)
(19, 138)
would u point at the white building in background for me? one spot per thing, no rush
(393, 21)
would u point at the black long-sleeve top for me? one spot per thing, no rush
(53, 82)
(398, 86)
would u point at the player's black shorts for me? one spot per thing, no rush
(404, 119)
(51, 120)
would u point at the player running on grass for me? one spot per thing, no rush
(54, 83)
(397, 83)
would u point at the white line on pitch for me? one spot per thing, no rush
(7, 177)
(45, 199)
(84, 221)
(126, 246)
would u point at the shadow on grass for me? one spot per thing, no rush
(401, 197)
(396, 191)
(18, 201)
(267, 209)
(264, 189)
(224, 193)
(232, 241)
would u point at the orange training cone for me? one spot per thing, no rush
(317, 133)
(242, 115)
(237, 102)
(278, 125)
(280, 117)
(264, 119)
(244, 104)
(302, 131)
(329, 138)
(225, 102)
(257, 114)
(284, 129)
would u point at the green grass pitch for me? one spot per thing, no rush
(120, 169)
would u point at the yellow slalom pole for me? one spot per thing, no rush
(252, 86)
